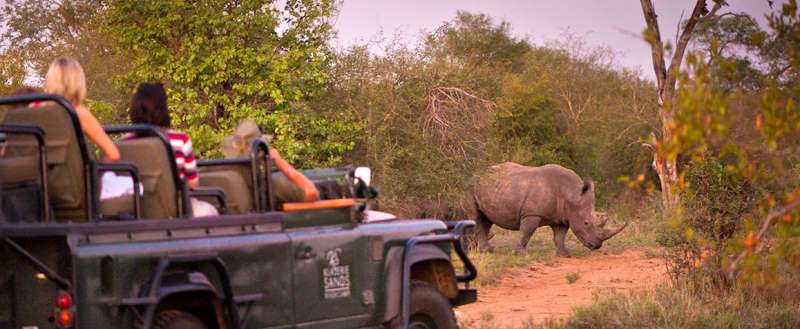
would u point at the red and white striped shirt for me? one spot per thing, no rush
(184, 156)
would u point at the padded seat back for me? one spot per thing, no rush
(65, 158)
(242, 169)
(148, 154)
(19, 169)
(238, 197)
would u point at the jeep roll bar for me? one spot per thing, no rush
(37, 133)
(90, 166)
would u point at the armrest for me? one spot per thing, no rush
(213, 192)
(130, 168)
(38, 133)
(322, 204)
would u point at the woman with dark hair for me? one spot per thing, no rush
(149, 105)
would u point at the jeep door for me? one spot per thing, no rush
(333, 274)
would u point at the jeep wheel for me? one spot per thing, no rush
(173, 319)
(429, 308)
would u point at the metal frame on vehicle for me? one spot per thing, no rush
(90, 166)
(37, 133)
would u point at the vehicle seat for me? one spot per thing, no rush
(148, 154)
(66, 175)
(18, 169)
(238, 196)
(20, 189)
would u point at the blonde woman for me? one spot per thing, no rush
(65, 78)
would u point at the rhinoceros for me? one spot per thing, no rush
(517, 197)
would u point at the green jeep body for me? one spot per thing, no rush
(322, 268)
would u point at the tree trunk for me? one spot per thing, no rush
(666, 78)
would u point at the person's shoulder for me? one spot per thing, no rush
(177, 134)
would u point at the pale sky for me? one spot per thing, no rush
(613, 23)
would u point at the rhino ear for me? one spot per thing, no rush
(588, 188)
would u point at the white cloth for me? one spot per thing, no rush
(113, 186)
(201, 208)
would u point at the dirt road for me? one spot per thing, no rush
(542, 290)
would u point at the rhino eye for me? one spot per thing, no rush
(586, 222)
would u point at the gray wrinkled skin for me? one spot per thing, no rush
(517, 197)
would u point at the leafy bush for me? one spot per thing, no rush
(716, 202)
(739, 218)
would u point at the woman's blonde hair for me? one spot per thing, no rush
(65, 77)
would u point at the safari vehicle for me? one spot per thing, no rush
(71, 260)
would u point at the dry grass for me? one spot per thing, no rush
(671, 308)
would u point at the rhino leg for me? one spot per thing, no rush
(559, 235)
(482, 227)
(527, 226)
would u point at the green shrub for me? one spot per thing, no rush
(716, 203)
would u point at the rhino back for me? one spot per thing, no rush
(510, 191)
(502, 191)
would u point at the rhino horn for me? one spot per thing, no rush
(608, 234)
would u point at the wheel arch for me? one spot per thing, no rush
(429, 263)
(193, 296)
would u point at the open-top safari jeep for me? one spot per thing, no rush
(71, 260)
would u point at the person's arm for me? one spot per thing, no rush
(309, 190)
(92, 128)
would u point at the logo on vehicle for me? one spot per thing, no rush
(336, 277)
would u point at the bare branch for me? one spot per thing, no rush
(686, 35)
(654, 38)
(678, 28)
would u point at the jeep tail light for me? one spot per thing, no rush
(64, 301)
(64, 316)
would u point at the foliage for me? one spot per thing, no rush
(476, 41)
(757, 133)
(225, 61)
(11, 70)
(471, 95)
(730, 43)
(40, 31)
(715, 203)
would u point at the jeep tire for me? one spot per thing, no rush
(429, 308)
(174, 319)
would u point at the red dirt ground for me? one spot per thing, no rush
(541, 291)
